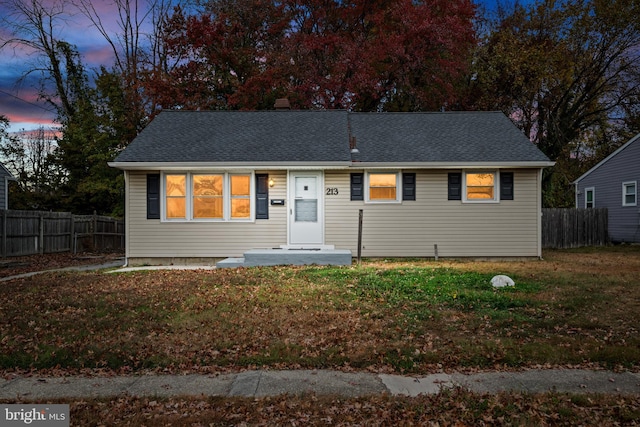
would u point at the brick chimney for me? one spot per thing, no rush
(282, 104)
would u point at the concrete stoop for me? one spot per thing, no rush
(267, 257)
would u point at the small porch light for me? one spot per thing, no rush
(271, 182)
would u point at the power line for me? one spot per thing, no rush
(28, 102)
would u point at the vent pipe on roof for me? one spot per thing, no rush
(353, 146)
(282, 104)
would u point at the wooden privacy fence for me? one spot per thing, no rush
(573, 228)
(34, 232)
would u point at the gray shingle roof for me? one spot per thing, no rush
(441, 137)
(242, 136)
(323, 136)
(5, 172)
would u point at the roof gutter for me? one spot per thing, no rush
(451, 165)
(328, 165)
(226, 165)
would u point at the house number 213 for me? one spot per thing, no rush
(332, 192)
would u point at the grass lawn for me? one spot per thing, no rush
(575, 308)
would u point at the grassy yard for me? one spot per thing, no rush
(574, 308)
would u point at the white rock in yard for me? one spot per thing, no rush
(500, 281)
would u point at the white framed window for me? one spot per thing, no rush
(240, 193)
(215, 196)
(590, 197)
(383, 187)
(629, 193)
(480, 186)
(175, 195)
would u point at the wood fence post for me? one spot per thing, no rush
(360, 214)
(41, 234)
(94, 228)
(4, 233)
(72, 233)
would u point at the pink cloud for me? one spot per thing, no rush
(19, 100)
(24, 110)
(99, 55)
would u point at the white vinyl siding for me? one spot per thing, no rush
(404, 229)
(412, 228)
(198, 239)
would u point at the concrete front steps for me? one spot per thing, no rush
(288, 256)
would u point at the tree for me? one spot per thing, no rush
(359, 54)
(91, 138)
(135, 48)
(376, 55)
(29, 156)
(564, 71)
(33, 24)
(225, 56)
(98, 118)
(4, 125)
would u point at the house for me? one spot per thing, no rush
(613, 184)
(210, 184)
(5, 177)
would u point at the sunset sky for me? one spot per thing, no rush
(19, 97)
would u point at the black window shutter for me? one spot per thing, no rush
(262, 196)
(357, 186)
(506, 185)
(153, 196)
(455, 186)
(408, 186)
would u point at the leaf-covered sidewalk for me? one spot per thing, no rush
(14, 266)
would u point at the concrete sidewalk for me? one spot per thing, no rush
(115, 266)
(92, 267)
(264, 383)
(162, 267)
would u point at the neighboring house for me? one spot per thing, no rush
(5, 177)
(212, 184)
(613, 184)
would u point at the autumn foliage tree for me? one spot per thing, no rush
(568, 73)
(364, 55)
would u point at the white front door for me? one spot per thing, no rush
(306, 209)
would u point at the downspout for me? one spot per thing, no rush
(540, 214)
(126, 219)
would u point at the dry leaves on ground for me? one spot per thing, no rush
(27, 264)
